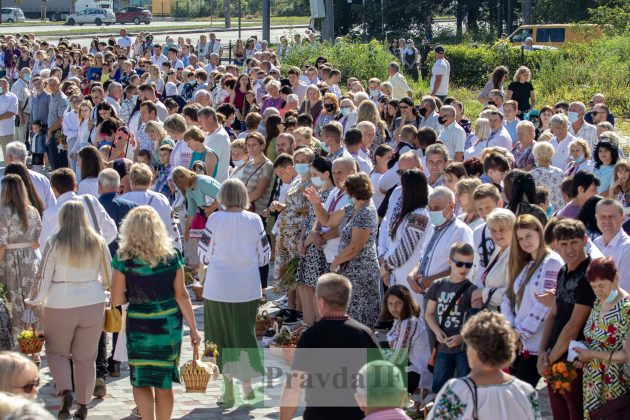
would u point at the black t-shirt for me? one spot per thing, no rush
(572, 288)
(521, 94)
(331, 334)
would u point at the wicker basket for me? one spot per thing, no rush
(31, 345)
(198, 291)
(265, 322)
(196, 374)
(286, 351)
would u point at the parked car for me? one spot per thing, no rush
(136, 15)
(556, 35)
(11, 15)
(96, 16)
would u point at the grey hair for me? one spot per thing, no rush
(500, 216)
(580, 105)
(394, 65)
(360, 97)
(609, 202)
(233, 193)
(448, 110)
(201, 93)
(16, 407)
(113, 85)
(17, 150)
(271, 111)
(528, 125)
(109, 179)
(293, 98)
(559, 119)
(289, 136)
(442, 192)
(366, 125)
(348, 161)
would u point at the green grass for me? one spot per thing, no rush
(279, 20)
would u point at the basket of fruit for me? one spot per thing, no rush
(284, 344)
(196, 374)
(29, 341)
(264, 321)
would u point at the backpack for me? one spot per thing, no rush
(188, 90)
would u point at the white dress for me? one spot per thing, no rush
(514, 400)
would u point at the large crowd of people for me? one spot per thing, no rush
(492, 248)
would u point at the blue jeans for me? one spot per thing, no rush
(447, 366)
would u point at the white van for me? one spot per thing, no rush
(11, 15)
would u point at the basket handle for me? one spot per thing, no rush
(285, 328)
(264, 314)
(195, 354)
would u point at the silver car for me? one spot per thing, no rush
(95, 16)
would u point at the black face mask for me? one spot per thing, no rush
(492, 103)
(329, 107)
(423, 112)
(442, 120)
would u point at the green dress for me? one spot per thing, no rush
(154, 321)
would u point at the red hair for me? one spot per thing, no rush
(601, 269)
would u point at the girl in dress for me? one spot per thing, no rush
(407, 338)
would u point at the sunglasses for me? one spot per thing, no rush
(403, 107)
(28, 388)
(460, 264)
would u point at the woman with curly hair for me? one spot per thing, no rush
(148, 274)
(487, 392)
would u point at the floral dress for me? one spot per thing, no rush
(362, 270)
(602, 381)
(290, 224)
(313, 264)
(18, 267)
(551, 178)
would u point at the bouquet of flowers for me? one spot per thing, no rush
(210, 352)
(60, 138)
(560, 376)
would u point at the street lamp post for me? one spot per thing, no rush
(239, 19)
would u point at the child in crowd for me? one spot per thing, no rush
(238, 151)
(542, 200)
(620, 189)
(407, 339)
(38, 146)
(495, 165)
(163, 173)
(144, 156)
(448, 300)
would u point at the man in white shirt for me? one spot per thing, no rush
(217, 139)
(400, 87)
(440, 74)
(213, 63)
(333, 83)
(16, 152)
(353, 141)
(214, 45)
(499, 136)
(124, 41)
(298, 86)
(430, 118)
(486, 198)
(114, 93)
(322, 236)
(580, 128)
(176, 63)
(445, 230)
(8, 111)
(21, 90)
(148, 92)
(614, 242)
(158, 58)
(140, 178)
(64, 185)
(559, 125)
(453, 135)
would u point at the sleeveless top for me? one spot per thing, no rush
(202, 157)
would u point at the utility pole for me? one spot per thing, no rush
(328, 24)
(499, 18)
(508, 21)
(239, 19)
(227, 10)
(266, 12)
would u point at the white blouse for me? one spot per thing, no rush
(514, 400)
(234, 245)
(411, 335)
(495, 279)
(88, 186)
(528, 317)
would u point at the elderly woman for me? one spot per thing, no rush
(313, 104)
(234, 245)
(487, 392)
(494, 278)
(463, 194)
(256, 174)
(348, 114)
(580, 155)
(605, 331)
(523, 149)
(522, 91)
(18, 375)
(148, 274)
(274, 100)
(194, 138)
(367, 111)
(357, 260)
(328, 114)
(546, 175)
(479, 139)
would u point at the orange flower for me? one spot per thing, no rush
(566, 375)
(566, 386)
(562, 368)
(558, 384)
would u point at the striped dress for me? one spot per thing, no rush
(154, 321)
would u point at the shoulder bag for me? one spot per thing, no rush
(113, 317)
(472, 387)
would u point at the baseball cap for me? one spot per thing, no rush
(439, 49)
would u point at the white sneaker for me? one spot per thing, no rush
(281, 303)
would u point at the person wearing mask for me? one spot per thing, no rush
(75, 263)
(21, 89)
(580, 157)
(567, 318)
(452, 134)
(430, 118)
(374, 90)
(217, 139)
(329, 113)
(488, 391)
(331, 141)
(579, 127)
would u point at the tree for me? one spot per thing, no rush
(227, 10)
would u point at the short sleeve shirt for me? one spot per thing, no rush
(251, 174)
(521, 93)
(442, 292)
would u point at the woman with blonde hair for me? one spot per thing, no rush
(158, 136)
(148, 275)
(580, 155)
(522, 91)
(18, 375)
(304, 137)
(367, 111)
(70, 286)
(328, 114)
(313, 103)
(546, 175)
(479, 139)
(533, 268)
(464, 197)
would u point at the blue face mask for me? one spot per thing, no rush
(612, 296)
(573, 116)
(345, 111)
(580, 160)
(301, 168)
(549, 210)
(351, 201)
(437, 217)
(317, 181)
(374, 93)
(324, 146)
(27, 77)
